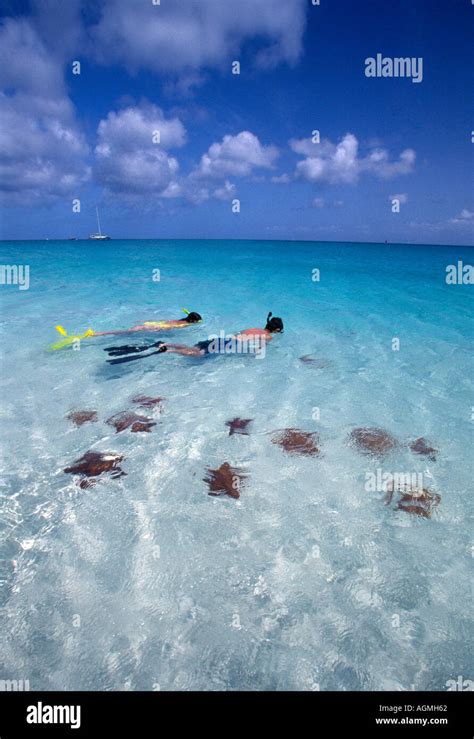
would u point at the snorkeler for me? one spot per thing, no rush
(191, 317)
(228, 345)
(69, 340)
(254, 336)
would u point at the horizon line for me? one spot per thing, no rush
(289, 241)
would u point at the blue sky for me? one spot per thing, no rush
(226, 137)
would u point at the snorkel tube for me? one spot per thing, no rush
(274, 324)
(192, 316)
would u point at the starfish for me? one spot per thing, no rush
(81, 417)
(238, 426)
(317, 363)
(93, 464)
(124, 420)
(224, 479)
(295, 441)
(372, 441)
(145, 401)
(420, 446)
(421, 504)
(413, 500)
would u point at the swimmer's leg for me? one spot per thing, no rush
(132, 330)
(186, 351)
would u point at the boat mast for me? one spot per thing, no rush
(98, 221)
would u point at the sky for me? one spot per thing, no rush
(135, 106)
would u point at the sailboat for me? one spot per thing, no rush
(99, 236)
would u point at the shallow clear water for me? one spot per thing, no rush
(308, 580)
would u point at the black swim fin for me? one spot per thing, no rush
(122, 360)
(119, 351)
(127, 349)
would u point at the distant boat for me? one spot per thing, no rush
(99, 236)
(72, 238)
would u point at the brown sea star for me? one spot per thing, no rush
(420, 446)
(126, 419)
(93, 464)
(373, 441)
(295, 441)
(238, 426)
(225, 479)
(81, 417)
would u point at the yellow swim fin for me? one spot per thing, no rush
(68, 340)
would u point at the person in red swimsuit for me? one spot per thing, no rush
(274, 325)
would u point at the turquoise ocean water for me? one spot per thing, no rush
(308, 581)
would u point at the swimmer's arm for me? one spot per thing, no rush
(251, 333)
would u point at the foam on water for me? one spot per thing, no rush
(308, 580)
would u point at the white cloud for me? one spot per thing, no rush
(378, 163)
(342, 163)
(25, 63)
(194, 35)
(318, 202)
(137, 127)
(282, 179)
(402, 197)
(307, 148)
(172, 190)
(196, 194)
(128, 160)
(130, 164)
(236, 156)
(226, 192)
(42, 156)
(60, 25)
(465, 217)
(42, 149)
